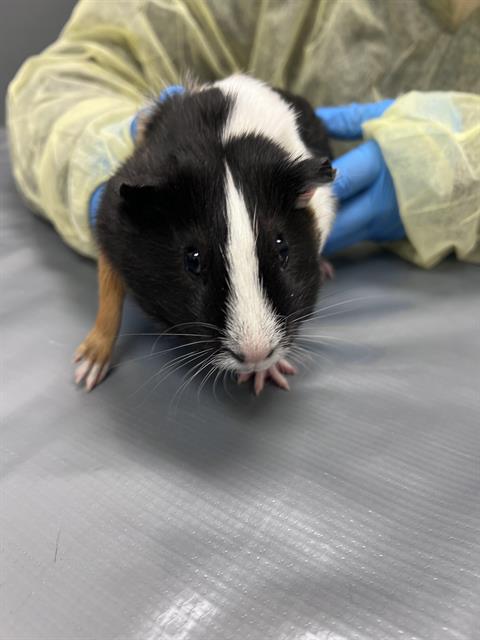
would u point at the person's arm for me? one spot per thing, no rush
(69, 112)
(418, 176)
(431, 144)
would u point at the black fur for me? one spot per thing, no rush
(169, 196)
(311, 128)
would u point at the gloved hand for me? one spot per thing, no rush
(368, 202)
(164, 95)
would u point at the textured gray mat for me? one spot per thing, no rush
(346, 509)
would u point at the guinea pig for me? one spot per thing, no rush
(216, 224)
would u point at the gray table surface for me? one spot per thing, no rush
(346, 509)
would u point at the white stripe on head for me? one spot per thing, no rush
(251, 325)
(258, 109)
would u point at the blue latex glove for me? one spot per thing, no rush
(96, 196)
(165, 94)
(368, 202)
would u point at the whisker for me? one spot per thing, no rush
(317, 313)
(146, 333)
(325, 315)
(179, 360)
(224, 382)
(301, 352)
(219, 372)
(320, 302)
(330, 315)
(195, 367)
(207, 325)
(186, 344)
(172, 363)
(299, 360)
(163, 334)
(324, 339)
(204, 382)
(156, 353)
(166, 366)
(181, 335)
(199, 354)
(184, 386)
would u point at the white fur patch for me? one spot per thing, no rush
(259, 110)
(251, 322)
(323, 206)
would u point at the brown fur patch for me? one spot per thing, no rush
(98, 345)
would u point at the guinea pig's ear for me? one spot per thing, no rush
(314, 172)
(137, 194)
(141, 203)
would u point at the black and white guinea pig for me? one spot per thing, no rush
(217, 221)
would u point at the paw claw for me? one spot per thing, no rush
(103, 373)
(278, 378)
(93, 360)
(285, 367)
(93, 377)
(82, 371)
(259, 383)
(276, 373)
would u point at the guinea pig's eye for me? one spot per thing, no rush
(192, 261)
(282, 249)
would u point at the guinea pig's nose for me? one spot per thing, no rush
(256, 354)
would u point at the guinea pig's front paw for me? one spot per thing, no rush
(93, 359)
(275, 373)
